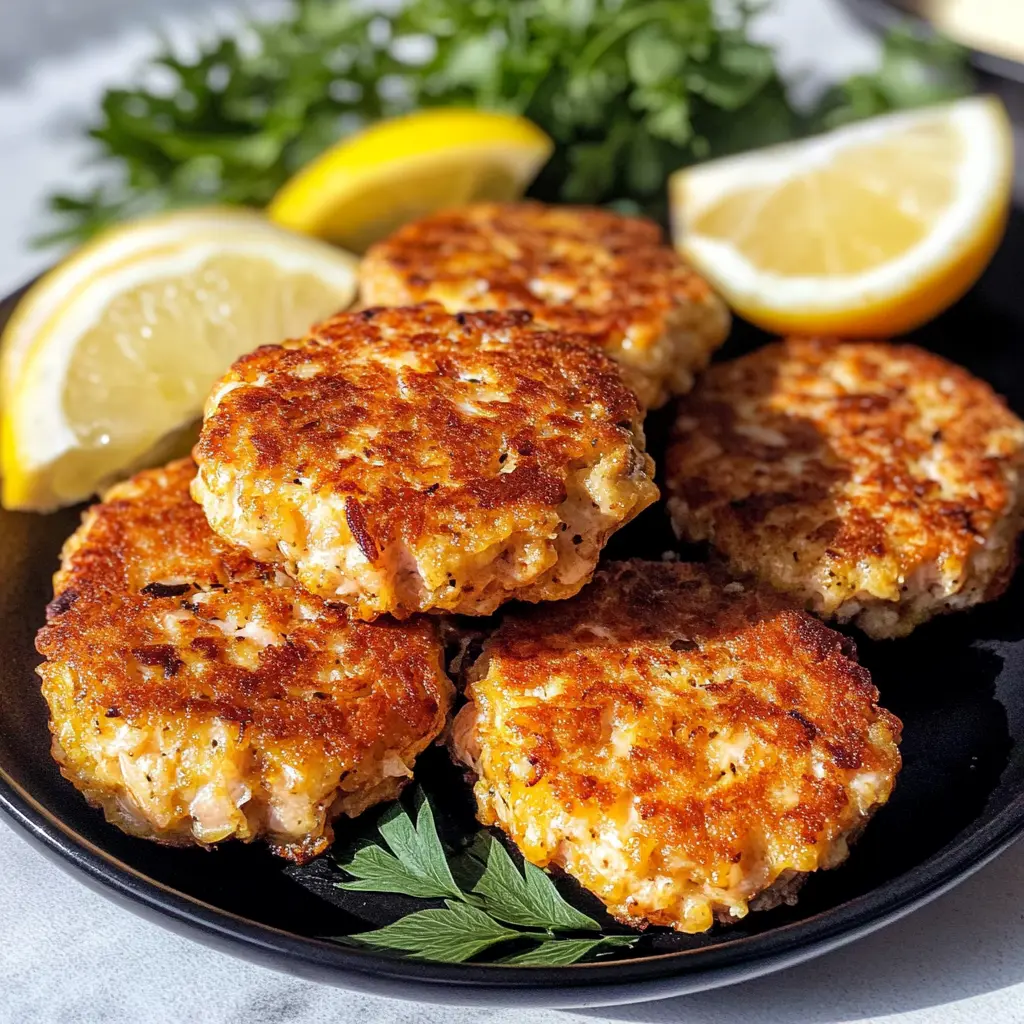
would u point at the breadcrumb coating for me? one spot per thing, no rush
(196, 695)
(688, 747)
(578, 269)
(878, 483)
(405, 460)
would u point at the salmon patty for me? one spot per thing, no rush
(687, 747)
(577, 269)
(406, 460)
(877, 483)
(196, 695)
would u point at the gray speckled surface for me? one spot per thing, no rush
(35, 29)
(69, 956)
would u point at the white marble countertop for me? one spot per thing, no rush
(67, 955)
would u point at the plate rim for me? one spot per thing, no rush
(883, 14)
(636, 979)
(593, 984)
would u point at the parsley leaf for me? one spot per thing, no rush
(417, 864)
(566, 951)
(451, 935)
(915, 70)
(529, 899)
(376, 870)
(629, 90)
(484, 895)
(419, 848)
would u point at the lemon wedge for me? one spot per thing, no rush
(869, 230)
(363, 188)
(112, 355)
(105, 252)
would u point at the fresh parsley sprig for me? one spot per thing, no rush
(630, 90)
(488, 901)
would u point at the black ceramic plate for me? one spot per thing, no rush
(887, 13)
(958, 685)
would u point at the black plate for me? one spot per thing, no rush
(886, 14)
(958, 685)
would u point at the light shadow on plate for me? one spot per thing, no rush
(958, 682)
(969, 942)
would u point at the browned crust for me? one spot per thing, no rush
(426, 428)
(681, 657)
(330, 687)
(578, 269)
(853, 463)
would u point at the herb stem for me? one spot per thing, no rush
(658, 10)
(238, 120)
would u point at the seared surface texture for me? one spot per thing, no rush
(684, 746)
(196, 695)
(877, 483)
(575, 268)
(404, 460)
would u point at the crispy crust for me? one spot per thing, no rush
(877, 483)
(684, 745)
(195, 694)
(576, 269)
(404, 460)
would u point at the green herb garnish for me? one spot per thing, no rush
(914, 72)
(630, 90)
(491, 903)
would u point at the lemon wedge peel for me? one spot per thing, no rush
(46, 456)
(409, 166)
(899, 293)
(101, 254)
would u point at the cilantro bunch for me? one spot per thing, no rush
(630, 90)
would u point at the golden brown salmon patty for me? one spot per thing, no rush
(576, 269)
(196, 695)
(687, 747)
(405, 460)
(877, 483)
